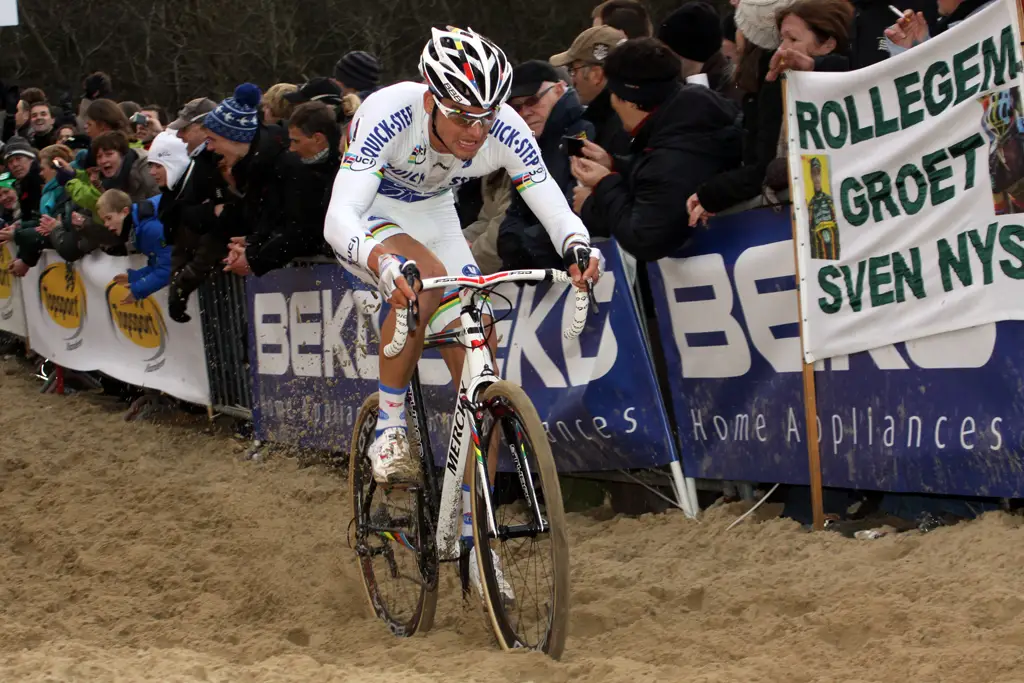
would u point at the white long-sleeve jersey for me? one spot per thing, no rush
(389, 155)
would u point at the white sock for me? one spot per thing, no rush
(390, 408)
(467, 514)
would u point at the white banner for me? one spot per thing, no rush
(76, 318)
(8, 12)
(12, 307)
(903, 176)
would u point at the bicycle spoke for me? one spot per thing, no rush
(527, 581)
(389, 543)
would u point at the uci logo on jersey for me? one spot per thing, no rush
(352, 253)
(525, 181)
(355, 162)
(419, 155)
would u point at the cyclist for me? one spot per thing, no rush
(409, 145)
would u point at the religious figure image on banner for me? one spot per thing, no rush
(1003, 123)
(820, 207)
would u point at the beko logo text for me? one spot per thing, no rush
(313, 334)
(713, 344)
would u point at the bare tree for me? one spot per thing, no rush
(168, 52)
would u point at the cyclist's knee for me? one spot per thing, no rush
(431, 267)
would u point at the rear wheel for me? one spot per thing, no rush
(393, 539)
(524, 562)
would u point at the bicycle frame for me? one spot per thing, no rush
(478, 371)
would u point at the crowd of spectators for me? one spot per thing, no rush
(648, 125)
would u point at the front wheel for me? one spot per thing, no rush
(523, 560)
(393, 538)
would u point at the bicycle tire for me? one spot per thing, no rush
(361, 483)
(529, 424)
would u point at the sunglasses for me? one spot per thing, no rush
(464, 119)
(532, 100)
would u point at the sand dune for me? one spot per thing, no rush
(151, 552)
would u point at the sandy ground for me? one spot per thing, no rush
(145, 552)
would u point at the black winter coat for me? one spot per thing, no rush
(30, 193)
(762, 122)
(282, 204)
(872, 17)
(279, 246)
(762, 125)
(190, 204)
(40, 141)
(687, 140)
(522, 241)
(608, 131)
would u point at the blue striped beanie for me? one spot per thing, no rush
(235, 118)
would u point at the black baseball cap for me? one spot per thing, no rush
(316, 90)
(528, 76)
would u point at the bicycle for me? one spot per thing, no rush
(414, 529)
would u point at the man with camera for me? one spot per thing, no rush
(554, 113)
(146, 124)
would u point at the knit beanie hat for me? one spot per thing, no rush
(756, 18)
(693, 31)
(169, 151)
(235, 118)
(359, 70)
(19, 146)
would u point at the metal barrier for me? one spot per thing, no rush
(225, 336)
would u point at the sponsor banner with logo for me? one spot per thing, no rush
(315, 359)
(12, 307)
(908, 182)
(77, 319)
(941, 414)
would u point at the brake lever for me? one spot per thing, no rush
(412, 275)
(583, 262)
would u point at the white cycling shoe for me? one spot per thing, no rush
(391, 460)
(508, 597)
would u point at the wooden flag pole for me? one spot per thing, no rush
(810, 396)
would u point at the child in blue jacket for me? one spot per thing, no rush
(139, 223)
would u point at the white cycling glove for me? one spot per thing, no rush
(390, 268)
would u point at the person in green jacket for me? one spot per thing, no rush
(117, 167)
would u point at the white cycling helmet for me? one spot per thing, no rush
(466, 67)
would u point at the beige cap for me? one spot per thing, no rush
(193, 112)
(591, 46)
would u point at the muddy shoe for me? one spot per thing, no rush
(391, 460)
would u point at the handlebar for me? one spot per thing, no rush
(403, 324)
(406, 319)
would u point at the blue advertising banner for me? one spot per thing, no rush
(314, 355)
(941, 414)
